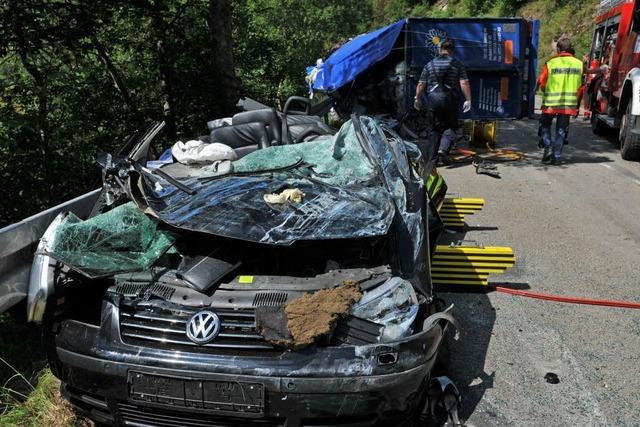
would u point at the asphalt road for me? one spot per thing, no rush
(575, 229)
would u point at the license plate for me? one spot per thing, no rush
(229, 396)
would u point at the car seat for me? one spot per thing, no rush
(243, 138)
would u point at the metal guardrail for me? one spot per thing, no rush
(18, 243)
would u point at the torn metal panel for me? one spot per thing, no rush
(393, 305)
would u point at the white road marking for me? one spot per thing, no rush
(604, 165)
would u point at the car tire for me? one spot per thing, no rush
(598, 127)
(629, 142)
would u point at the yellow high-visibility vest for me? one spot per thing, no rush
(563, 83)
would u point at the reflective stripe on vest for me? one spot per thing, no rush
(563, 83)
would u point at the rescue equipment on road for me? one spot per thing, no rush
(454, 210)
(469, 265)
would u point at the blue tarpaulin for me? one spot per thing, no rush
(357, 56)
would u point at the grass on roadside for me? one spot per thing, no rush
(43, 406)
(29, 393)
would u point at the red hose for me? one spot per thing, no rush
(570, 300)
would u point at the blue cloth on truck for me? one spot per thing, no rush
(356, 56)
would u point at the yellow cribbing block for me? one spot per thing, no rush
(460, 282)
(476, 203)
(506, 258)
(469, 265)
(453, 210)
(459, 276)
(473, 264)
(463, 211)
(464, 201)
(443, 249)
(466, 270)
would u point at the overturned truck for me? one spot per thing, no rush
(285, 283)
(377, 73)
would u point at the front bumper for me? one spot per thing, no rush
(364, 385)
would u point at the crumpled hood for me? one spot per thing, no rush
(234, 207)
(345, 195)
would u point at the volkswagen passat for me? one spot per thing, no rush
(151, 303)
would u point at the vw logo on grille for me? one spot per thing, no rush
(203, 327)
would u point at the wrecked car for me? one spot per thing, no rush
(288, 284)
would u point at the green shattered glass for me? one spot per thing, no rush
(123, 239)
(336, 160)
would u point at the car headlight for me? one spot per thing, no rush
(393, 304)
(41, 276)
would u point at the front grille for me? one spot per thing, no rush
(167, 329)
(269, 299)
(137, 416)
(134, 289)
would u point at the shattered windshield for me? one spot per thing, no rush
(336, 160)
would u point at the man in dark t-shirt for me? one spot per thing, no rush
(444, 78)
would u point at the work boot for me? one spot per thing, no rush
(443, 157)
(555, 160)
(546, 155)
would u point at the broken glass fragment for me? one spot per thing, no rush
(121, 240)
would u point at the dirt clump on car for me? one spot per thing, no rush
(308, 319)
(314, 315)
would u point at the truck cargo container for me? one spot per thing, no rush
(378, 72)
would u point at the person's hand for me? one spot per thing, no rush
(417, 104)
(466, 107)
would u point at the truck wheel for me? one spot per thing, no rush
(598, 127)
(629, 142)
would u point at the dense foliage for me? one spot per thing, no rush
(77, 77)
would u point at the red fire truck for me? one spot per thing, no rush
(615, 99)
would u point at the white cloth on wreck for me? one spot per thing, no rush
(195, 151)
(293, 194)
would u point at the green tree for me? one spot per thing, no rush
(77, 77)
(276, 39)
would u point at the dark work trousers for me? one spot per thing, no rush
(442, 119)
(556, 143)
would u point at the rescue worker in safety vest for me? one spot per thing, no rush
(560, 82)
(444, 79)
